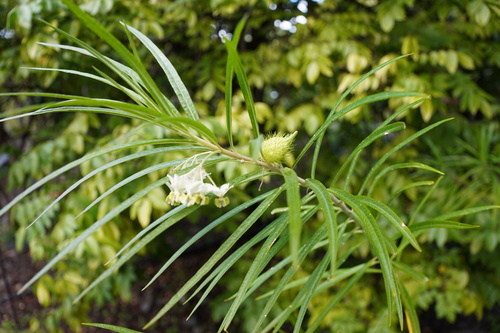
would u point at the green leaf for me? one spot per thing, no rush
(410, 271)
(411, 314)
(396, 148)
(172, 75)
(229, 102)
(136, 65)
(302, 299)
(93, 228)
(305, 295)
(111, 328)
(140, 97)
(229, 81)
(336, 299)
(239, 70)
(132, 94)
(393, 218)
(163, 223)
(204, 231)
(376, 134)
(376, 239)
(340, 275)
(256, 267)
(254, 147)
(75, 163)
(123, 182)
(400, 166)
(217, 274)
(127, 73)
(78, 103)
(196, 125)
(223, 249)
(408, 186)
(283, 240)
(432, 224)
(293, 203)
(325, 202)
(318, 135)
(304, 251)
(382, 130)
(465, 212)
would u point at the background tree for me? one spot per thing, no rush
(300, 56)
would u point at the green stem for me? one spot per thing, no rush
(245, 159)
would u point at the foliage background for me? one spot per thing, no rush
(299, 56)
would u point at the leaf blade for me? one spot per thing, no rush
(172, 75)
(293, 203)
(330, 216)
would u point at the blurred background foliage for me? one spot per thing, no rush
(300, 56)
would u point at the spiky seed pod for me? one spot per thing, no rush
(277, 148)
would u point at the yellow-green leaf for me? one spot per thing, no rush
(144, 212)
(312, 72)
(42, 294)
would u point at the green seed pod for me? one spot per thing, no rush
(277, 148)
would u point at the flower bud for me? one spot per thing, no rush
(204, 200)
(277, 149)
(221, 202)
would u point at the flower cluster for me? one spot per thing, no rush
(189, 189)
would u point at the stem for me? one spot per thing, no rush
(245, 159)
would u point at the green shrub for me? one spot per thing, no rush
(119, 196)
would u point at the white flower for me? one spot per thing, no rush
(220, 191)
(189, 189)
(188, 180)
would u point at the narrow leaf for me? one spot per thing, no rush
(204, 231)
(164, 222)
(113, 163)
(172, 75)
(223, 249)
(128, 56)
(378, 133)
(217, 273)
(196, 125)
(93, 228)
(304, 251)
(396, 148)
(229, 81)
(376, 239)
(228, 98)
(410, 165)
(433, 224)
(111, 328)
(73, 164)
(393, 218)
(410, 311)
(239, 70)
(256, 267)
(293, 203)
(307, 292)
(410, 271)
(464, 212)
(336, 299)
(334, 116)
(325, 202)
